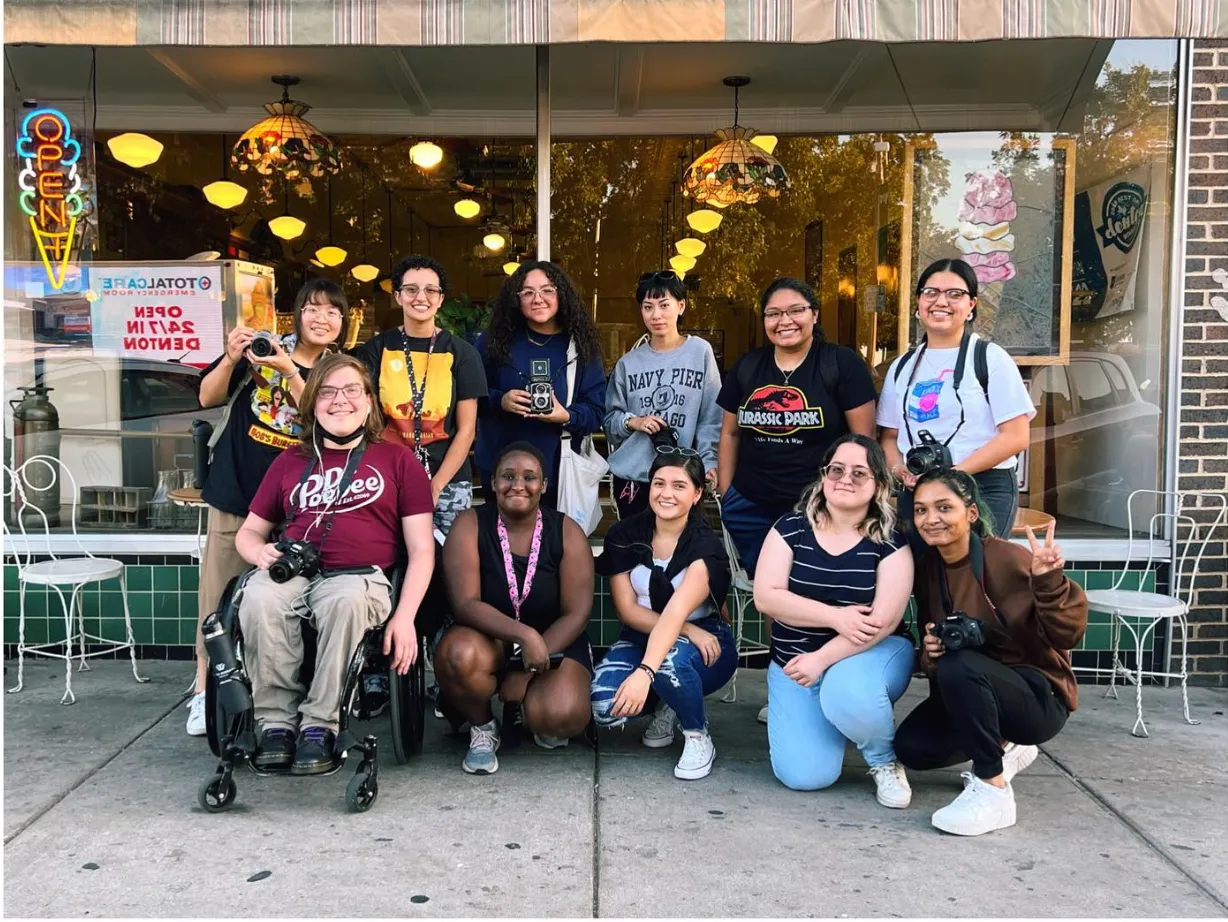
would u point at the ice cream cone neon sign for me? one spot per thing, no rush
(50, 187)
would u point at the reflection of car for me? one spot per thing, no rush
(1094, 436)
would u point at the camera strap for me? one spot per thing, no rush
(330, 512)
(417, 394)
(976, 560)
(960, 361)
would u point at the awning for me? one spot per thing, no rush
(527, 22)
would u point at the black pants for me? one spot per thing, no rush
(976, 702)
(631, 496)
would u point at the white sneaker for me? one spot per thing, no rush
(660, 732)
(981, 808)
(1016, 758)
(550, 742)
(762, 718)
(698, 754)
(483, 742)
(196, 714)
(892, 785)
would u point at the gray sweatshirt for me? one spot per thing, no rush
(679, 386)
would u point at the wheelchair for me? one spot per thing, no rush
(232, 733)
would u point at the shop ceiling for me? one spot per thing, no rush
(597, 89)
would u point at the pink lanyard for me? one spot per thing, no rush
(535, 550)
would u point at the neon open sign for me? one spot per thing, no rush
(50, 187)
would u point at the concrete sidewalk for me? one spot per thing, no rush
(101, 819)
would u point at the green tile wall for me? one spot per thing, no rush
(162, 601)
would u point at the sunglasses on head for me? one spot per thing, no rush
(670, 450)
(666, 275)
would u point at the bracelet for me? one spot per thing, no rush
(648, 669)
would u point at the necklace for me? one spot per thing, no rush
(788, 374)
(529, 335)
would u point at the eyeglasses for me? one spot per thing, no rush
(670, 450)
(953, 294)
(665, 275)
(835, 473)
(794, 312)
(351, 391)
(431, 292)
(546, 291)
(312, 310)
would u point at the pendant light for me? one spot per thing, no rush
(426, 155)
(765, 142)
(705, 220)
(285, 144)
(691, 246)
(135, 149)
(364, 271)
(223, 193)
(467, 208)
(331, 255)
(510, 267)
(285, 225)
(682, 263)
(494, 241)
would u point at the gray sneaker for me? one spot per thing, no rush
(661, 731)
(483, 742)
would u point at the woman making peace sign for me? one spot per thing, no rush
(993, 699)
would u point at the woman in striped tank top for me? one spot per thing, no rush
(835, 580)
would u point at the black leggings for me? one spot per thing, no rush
(976, 702)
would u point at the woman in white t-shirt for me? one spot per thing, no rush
(984, 428)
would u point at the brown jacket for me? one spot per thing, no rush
(1038, 620)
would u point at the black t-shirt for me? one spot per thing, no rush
(787, 426)
(263, 423)
(453, 373)
(544, 605)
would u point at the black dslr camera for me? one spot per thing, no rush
(262, 344)
(930, 455)
(298, 558)
(960, 631)
(541, 393)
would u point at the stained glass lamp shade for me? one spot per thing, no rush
(734, 171)
(286, 144)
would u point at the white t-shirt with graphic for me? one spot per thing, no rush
(932, 405)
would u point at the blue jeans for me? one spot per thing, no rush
(682, 681)
(808, 727)
(748, 524)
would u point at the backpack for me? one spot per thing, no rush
(980, 364)
(829, 368)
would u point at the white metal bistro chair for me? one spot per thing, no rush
(43, 473)
(1198, 515)
(742, 595)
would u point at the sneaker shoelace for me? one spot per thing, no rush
(482, 740)
(886, 772)
(975, 790)
(316, 735)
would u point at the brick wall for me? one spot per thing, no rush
(1203, 445)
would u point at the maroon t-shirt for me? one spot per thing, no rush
(387, 485)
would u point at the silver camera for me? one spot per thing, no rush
(541, 393)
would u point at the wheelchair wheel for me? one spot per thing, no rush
(361, 792)
(408, 708)
(217, 793)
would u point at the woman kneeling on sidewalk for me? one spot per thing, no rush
(668, 578)
(999, 622)
(835, 581)
(520, 576)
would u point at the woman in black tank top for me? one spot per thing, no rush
(520, 578)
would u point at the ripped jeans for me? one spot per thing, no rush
(682, 681)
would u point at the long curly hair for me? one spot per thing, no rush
(506, 319)
(879, 521)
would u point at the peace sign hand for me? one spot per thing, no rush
(1046, 557)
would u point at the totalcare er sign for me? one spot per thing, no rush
(164, 313)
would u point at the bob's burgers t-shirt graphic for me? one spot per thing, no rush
(786, 427)
(276, 417)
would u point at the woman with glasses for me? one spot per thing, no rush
(835, 580)
(429, 383)
(983, 423)
(661, 392)
(260, 421)
(785, 403)
(668, 578)
(538, 324)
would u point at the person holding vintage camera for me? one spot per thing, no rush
(520, 576)
(259, 378)
(544, 370)
(835, 579)
(661, 392)
(429, 383)
(957, 400)
(349, 505)
(669, 575)
(999, 623)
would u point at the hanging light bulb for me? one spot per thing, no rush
(426, 154)
(225, 194)
(705, 220)
(494, 241)
(386, 285)
(331, 255)
(766, 142)
(690, 246)
(467, 208)
(287, 227)
(135, 149)
(365, 272)
(682, 263)
(509, 268)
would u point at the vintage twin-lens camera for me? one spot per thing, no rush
(262, 344)
(960, 631)
(298, 558)
(928, 456)
(232, 688)
(541, 393)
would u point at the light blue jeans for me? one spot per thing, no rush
(808, 727)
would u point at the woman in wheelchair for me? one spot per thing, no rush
(356, 502)
(520, 577)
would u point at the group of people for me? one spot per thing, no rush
(838, 528)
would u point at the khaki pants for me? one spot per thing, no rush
(220, 565)
(341, 607)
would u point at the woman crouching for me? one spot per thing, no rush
(668, 578)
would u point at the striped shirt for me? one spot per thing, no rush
(835, 579)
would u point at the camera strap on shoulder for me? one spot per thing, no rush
(329, 513)
(572, 359)
(960, 361)
(829, 367)
(976, 561)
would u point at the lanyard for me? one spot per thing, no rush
(418, 395)
(959, 377)
(351, 467)
(518, 596)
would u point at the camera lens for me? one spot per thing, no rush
(281, 571)
(262, 346)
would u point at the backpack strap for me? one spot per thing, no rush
(904, 360)
(980, 364)
(225, 420)
(829, 368)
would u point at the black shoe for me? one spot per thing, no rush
(511, 728)
(275, 750)
(375, 695)
(316, 753)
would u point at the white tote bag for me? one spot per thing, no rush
(581, 469)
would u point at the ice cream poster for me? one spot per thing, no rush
(1003, 204)
(1108, 230)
